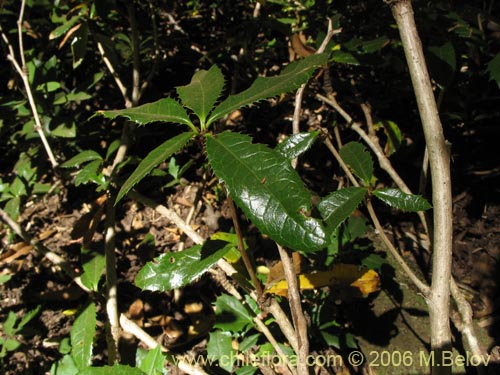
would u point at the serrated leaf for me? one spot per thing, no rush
(203, 91)
(92, 272)
(154, 158)
(359, 159)
(163, 110)
(268, 190)
(82, 337)
(219, 347)
(175, 270)
(296, 144)
(8, 325)
(27, 317)
(231, 315)
(339, 205)
(89, 173)
(405, 202)
(153, 363)
(294, 75)
(111, 370)
(82, 157)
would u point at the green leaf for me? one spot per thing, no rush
(343, 57)
(27, 317)
(359, 159)
(406, 202)
(296, 144)
(155, 157)
(62, 29)
(231, 315)
(12, 207)
(175, 270)
(153, 363)
(82, 337)
(65, 130)
(269, 191)
(82, 157)
(92, 272)
(203, 91)
(89, 173)
(10, 322)
(11, 344)
(340, 204)
(394, 136)
(219, 347)
(494, 69)
(163, 110)
(108, 370)
(5, 278)
(65, 366)
(290, 79)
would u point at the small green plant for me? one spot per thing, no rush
(263, 183)
(12, 327)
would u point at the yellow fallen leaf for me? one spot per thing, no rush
(341, 275)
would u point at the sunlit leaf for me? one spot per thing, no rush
(296, 144)
(268, 190)
(163, 110)
(290, 79)
(174, 270)
(342, 275)
(92, 272)
(398, 199)
(153, 363)
(203, 91)
(111, 370)
(219, 347)
(82, 337)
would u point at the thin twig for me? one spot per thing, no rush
(294, 300)
(38, 246)
(130, 327)
(22, 70)
(241, 248)
(300, 92)
(116, 77)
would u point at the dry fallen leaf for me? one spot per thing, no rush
(341, 275)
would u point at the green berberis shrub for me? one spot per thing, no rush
(260, 180)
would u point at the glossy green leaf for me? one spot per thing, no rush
(494, 69)
(340, 204)
(163, 110)
(343, 57)
(82, 157)
(82, 337)
(359, 160)
(290, 79)
(92, 272)
(175, 270)
(111, 370)
(153, 363)
(268, 190)
(296, 144)
(154, 158)
(203, 91)
(219, 347)
(231, 315)
(398, 199)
